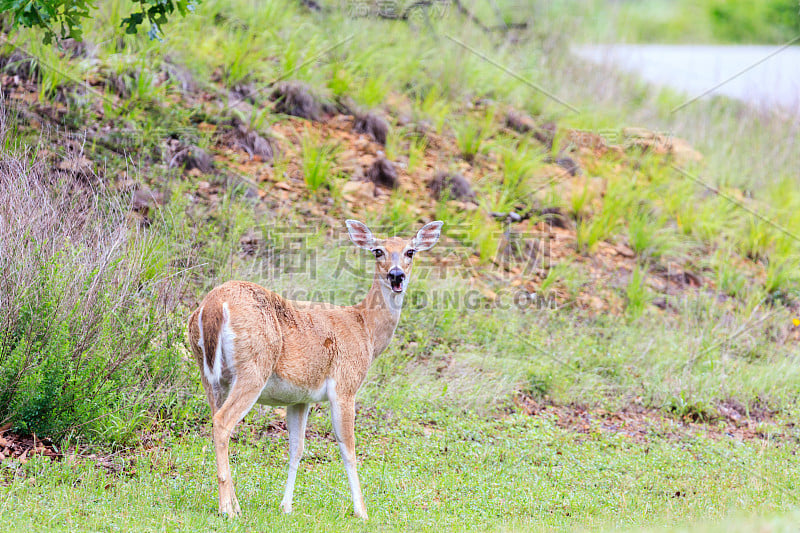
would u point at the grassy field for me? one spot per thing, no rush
(622, 355)
(421, 470)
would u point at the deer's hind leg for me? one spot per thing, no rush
(240, 400)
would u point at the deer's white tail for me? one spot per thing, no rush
(216, 341)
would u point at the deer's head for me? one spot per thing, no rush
(394, 257)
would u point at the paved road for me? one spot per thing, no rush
(765, 76)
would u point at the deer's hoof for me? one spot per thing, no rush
(229, 509)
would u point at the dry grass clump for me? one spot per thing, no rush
(451, 185)
(253, 143)
(372, 124)
(383, 172)
(296, 99)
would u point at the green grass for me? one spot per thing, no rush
(420, 470)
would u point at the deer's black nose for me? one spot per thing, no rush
(396, 277)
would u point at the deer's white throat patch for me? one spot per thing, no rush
(394, 300)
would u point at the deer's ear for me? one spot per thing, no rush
(360, 234)
(428, 235)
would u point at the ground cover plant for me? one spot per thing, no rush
(606, 337)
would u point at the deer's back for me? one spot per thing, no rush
(300, 344)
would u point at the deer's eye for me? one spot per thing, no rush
(378, 253)
(410, 253)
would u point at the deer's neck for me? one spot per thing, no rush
(381, 312)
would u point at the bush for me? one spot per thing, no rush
(87, 331)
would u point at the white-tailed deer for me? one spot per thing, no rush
(252, 346)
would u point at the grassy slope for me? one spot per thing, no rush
(460, 368)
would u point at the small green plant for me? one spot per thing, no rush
(319, 161)
(398, 214)
(580, 202)
(372, 91)
(238, 58)
(755, 238)
(590, 232)
(559, 273)
(783, 278)
(471, 134)
(519, 162)
(433, 106)
(637, 295)
(485, 237)
(340, 79)
(417, 145)
(55, 71)
(392, 147)
(539, 385)
(647, 237)
(695, 410)
(730, 279)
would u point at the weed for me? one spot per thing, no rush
(417, 145)
(637, 295)
(580, 203)
(434, 107)
(319, 161)
(471, 134)
(647, 236)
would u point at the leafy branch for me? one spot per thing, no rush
(63, 18)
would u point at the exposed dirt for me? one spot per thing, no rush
(642, 424)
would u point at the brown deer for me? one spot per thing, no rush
(253, 346)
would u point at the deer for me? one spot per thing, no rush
(254, 346)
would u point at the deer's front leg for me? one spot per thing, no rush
(343, 412)
(296, 417)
